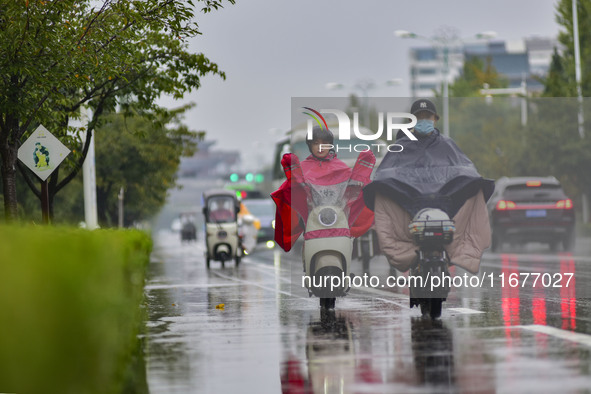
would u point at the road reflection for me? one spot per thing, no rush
(335, 362)
(432, 346)
(332, 364)
(330, 355)
(534, 295)
(568, 293)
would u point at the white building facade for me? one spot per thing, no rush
(518, 61)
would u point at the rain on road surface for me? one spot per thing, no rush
(270, 337)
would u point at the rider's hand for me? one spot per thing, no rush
(363, 167)
(353, 190)
(291, 166)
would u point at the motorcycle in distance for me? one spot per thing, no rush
(222, 239)
(431, 230)
(328, 244)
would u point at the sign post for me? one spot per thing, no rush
(42, 153)
(45, 202)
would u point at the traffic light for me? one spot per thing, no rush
(249, 177)
(234, 177)
(259, 178)
(241, 194)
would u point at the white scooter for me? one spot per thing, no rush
(222, 239)
(328, 245)
(327, 256)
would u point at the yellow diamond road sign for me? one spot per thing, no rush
(42, 152)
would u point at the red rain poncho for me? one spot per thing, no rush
(291, 198)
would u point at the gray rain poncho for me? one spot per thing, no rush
(431, 172)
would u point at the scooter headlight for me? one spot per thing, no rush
(327, 217)
(222, 234)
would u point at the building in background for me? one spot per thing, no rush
(208, 162)
(526, 59)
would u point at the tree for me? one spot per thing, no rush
(474, 75)
(142, 157)
(557, 139)
(557, 83)
(61, 54)
(490, 133)
(483, 130)
(564, 17)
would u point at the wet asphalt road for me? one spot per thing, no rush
(269, 337)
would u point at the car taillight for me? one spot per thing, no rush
(533, 183)
(565, 204)
(504, 205)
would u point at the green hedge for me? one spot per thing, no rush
(70, 308)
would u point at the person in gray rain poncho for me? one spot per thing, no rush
(430, 172)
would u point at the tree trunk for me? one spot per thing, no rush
(52, 183)
(102, 199)
(9, 155)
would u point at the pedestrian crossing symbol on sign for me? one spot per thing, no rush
(42, 152)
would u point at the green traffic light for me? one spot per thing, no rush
(249, 177)
(234, 178)
(259, 178)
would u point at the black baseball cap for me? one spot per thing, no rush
(424, 105)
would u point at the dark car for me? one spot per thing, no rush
(264, 210)
(530, 209)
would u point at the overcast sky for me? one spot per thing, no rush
(272, 50)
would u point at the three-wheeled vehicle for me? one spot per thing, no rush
(222, 240)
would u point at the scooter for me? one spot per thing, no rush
(431, 229)
(222, 239)
(327, 254)
(328, 245)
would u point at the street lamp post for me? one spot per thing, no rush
(522, 91)
(578, 68)
(446, 91)
(364, 86)
(578, 77)
(443, 42)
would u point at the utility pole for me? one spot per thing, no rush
(120, 198)
(89, 177)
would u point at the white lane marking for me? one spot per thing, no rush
(583, 339)
(259, 267)
(188, 286)
(466, 311)
(538, 258)
(405, 306)
(383, 293)
(257, 285)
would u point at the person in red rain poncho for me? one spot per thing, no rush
(322, 168)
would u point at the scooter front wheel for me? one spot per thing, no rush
(431, 307)
(327, 303)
